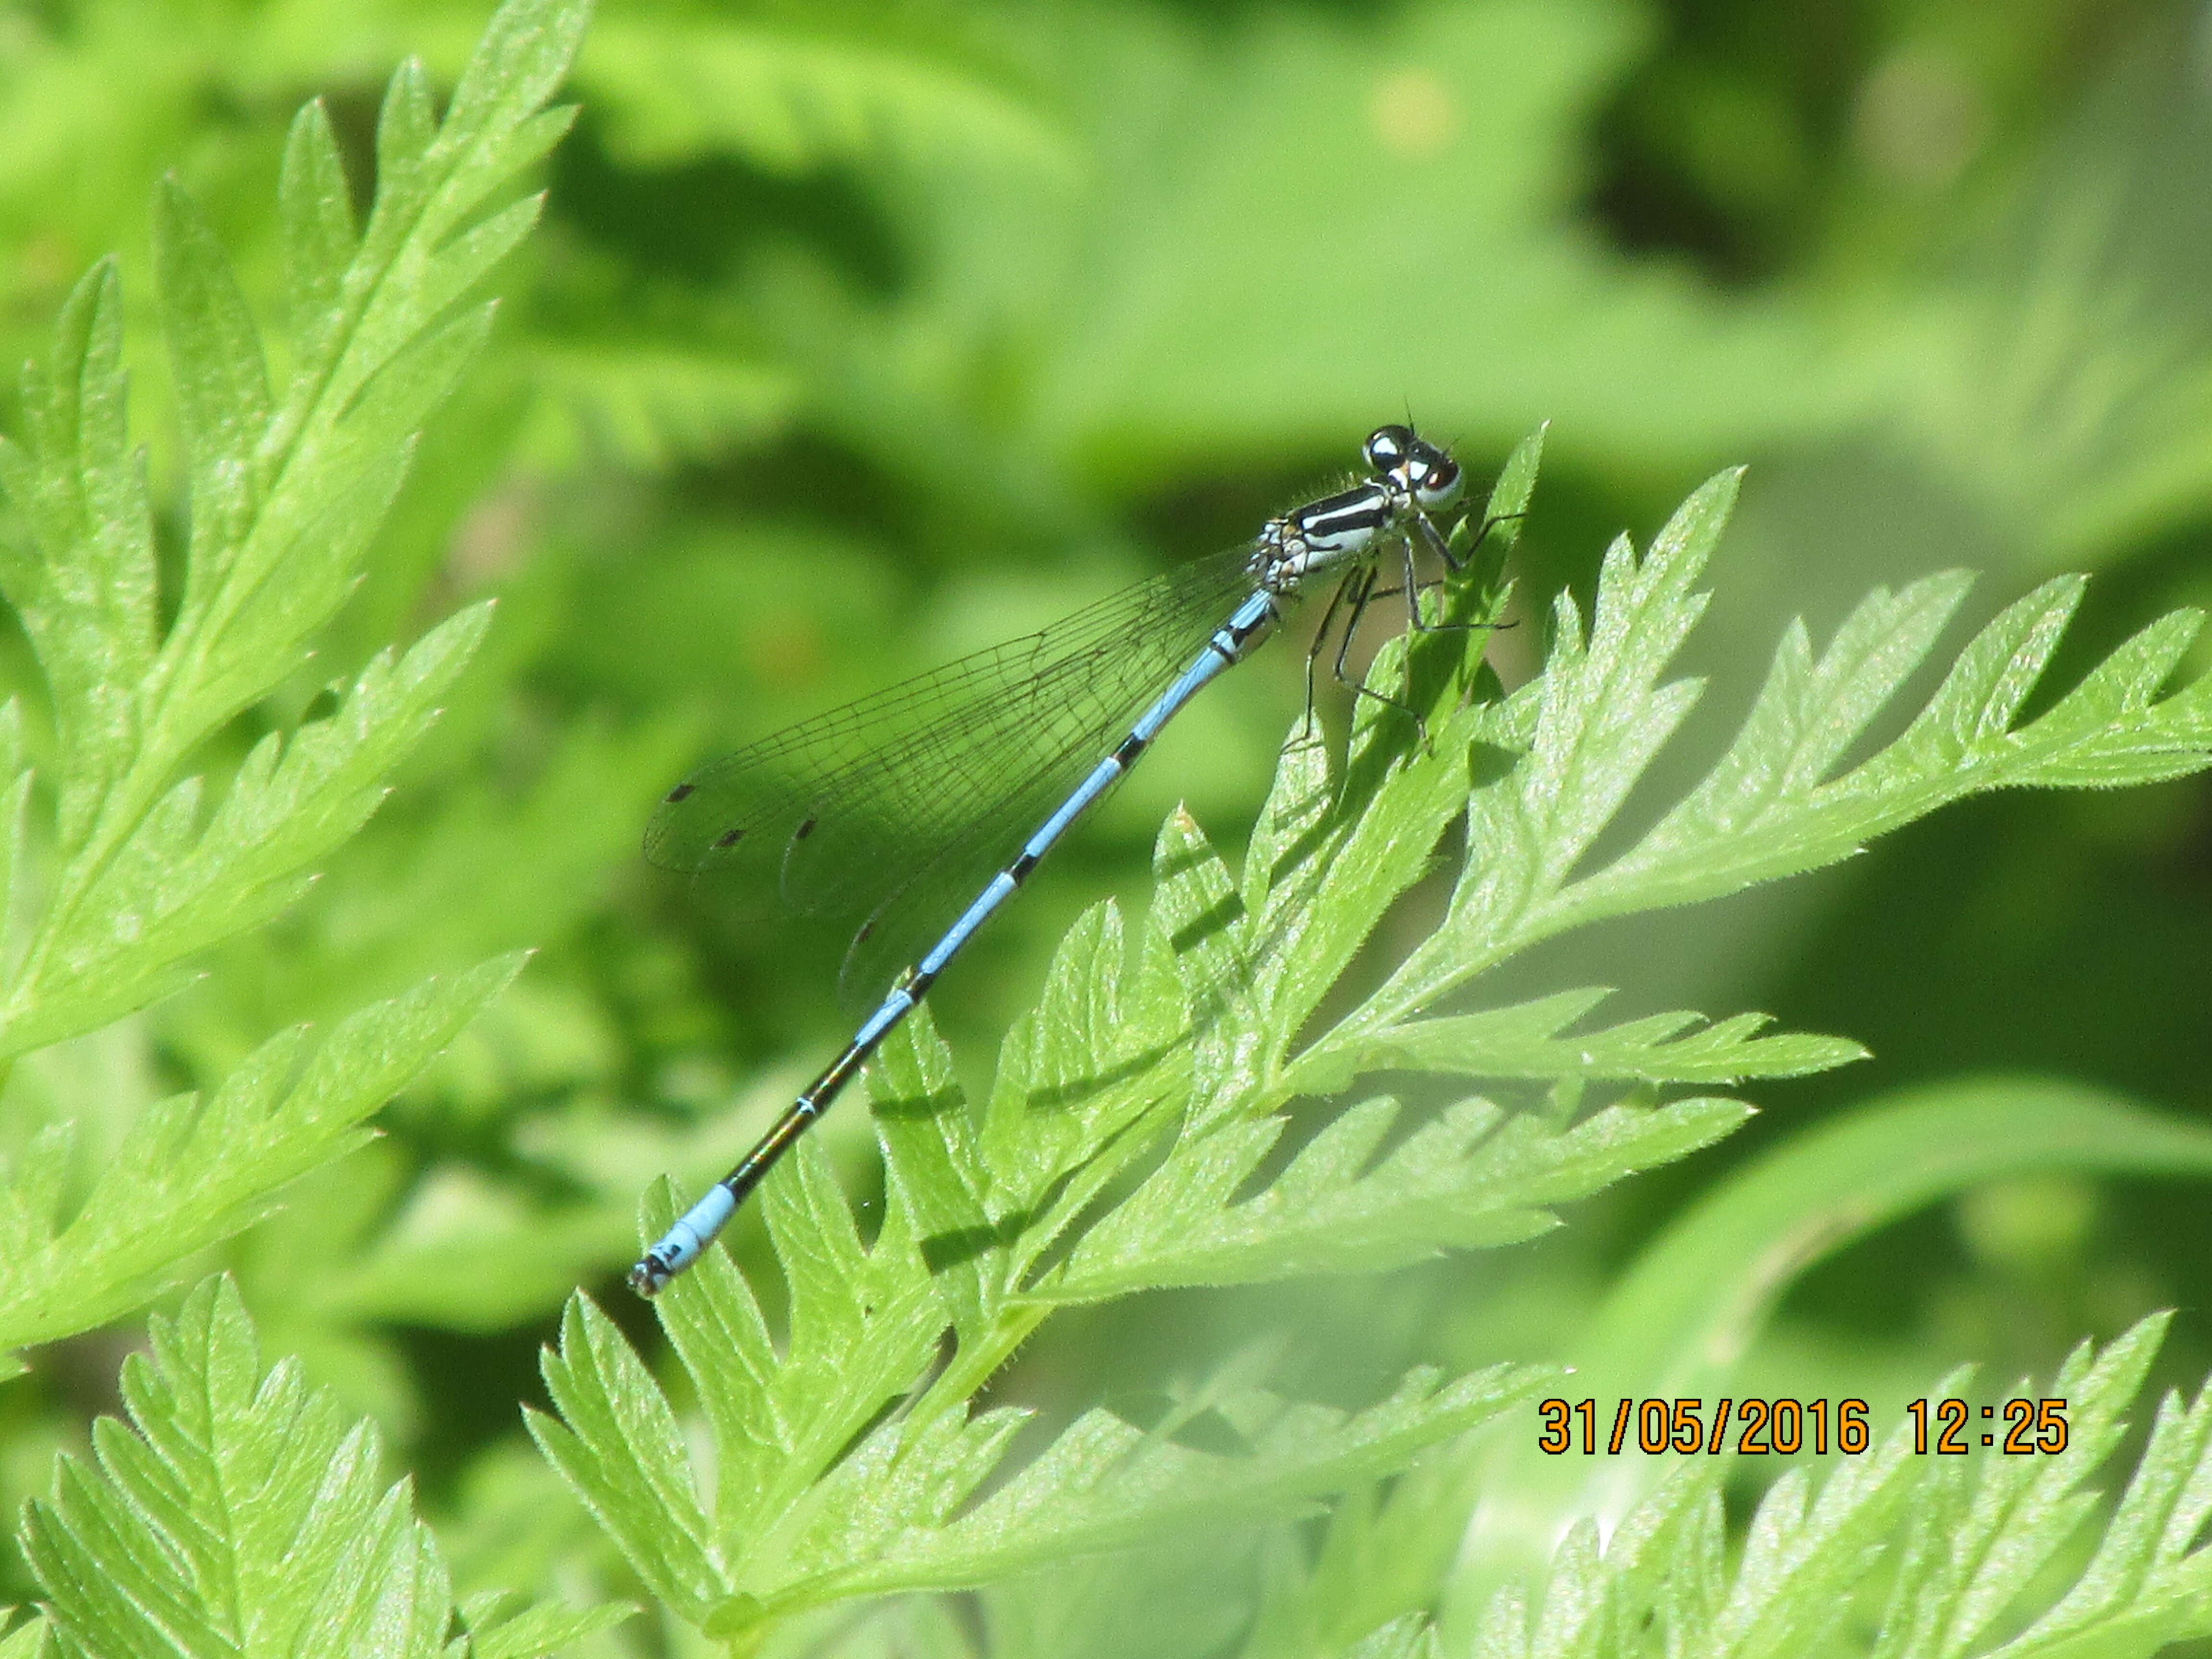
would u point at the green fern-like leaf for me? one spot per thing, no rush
(801, 1515)
(146, 863)
(241, 1513)
(191, 1172)
(286, 486)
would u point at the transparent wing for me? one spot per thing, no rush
(895, 808)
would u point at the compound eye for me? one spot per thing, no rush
(1388, 447)
(1438, 480)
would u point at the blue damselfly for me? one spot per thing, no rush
(937, 775)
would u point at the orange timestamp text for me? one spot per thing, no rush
(1757, 1428)
(1785, 1426)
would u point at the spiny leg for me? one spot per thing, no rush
(1489, 522)
(1314, 651)
(1442, 549)
(1439, 545)
(1366, 576)
(1436, 542)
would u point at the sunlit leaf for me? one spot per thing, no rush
(240, 1512)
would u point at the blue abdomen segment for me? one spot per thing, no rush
(680, 1246)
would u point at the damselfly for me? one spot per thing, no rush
(908, 788)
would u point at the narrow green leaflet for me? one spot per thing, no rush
(1538, 1040)
(1475, 1176)
(190, 1172)
(290, 474)
(240, 1512)
(1376, 1567)
(863, 1325)
(189, 878)
(85, 591)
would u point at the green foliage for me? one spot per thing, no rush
(139, 876)
(188, 1174)
(1691, 1306)
(26, 1641)
(798, 1518)
(1895, 1554)
(859, 335)
(1885, 1552)
(1131, 1140)
(1679, 1321)
(790, 97)
(285, 494)
(811, 1503)
(244, 1515)
(241, 1513)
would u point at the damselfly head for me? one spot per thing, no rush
(1387, 447)
(1418, 467)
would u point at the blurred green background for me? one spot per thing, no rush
(860, 335)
